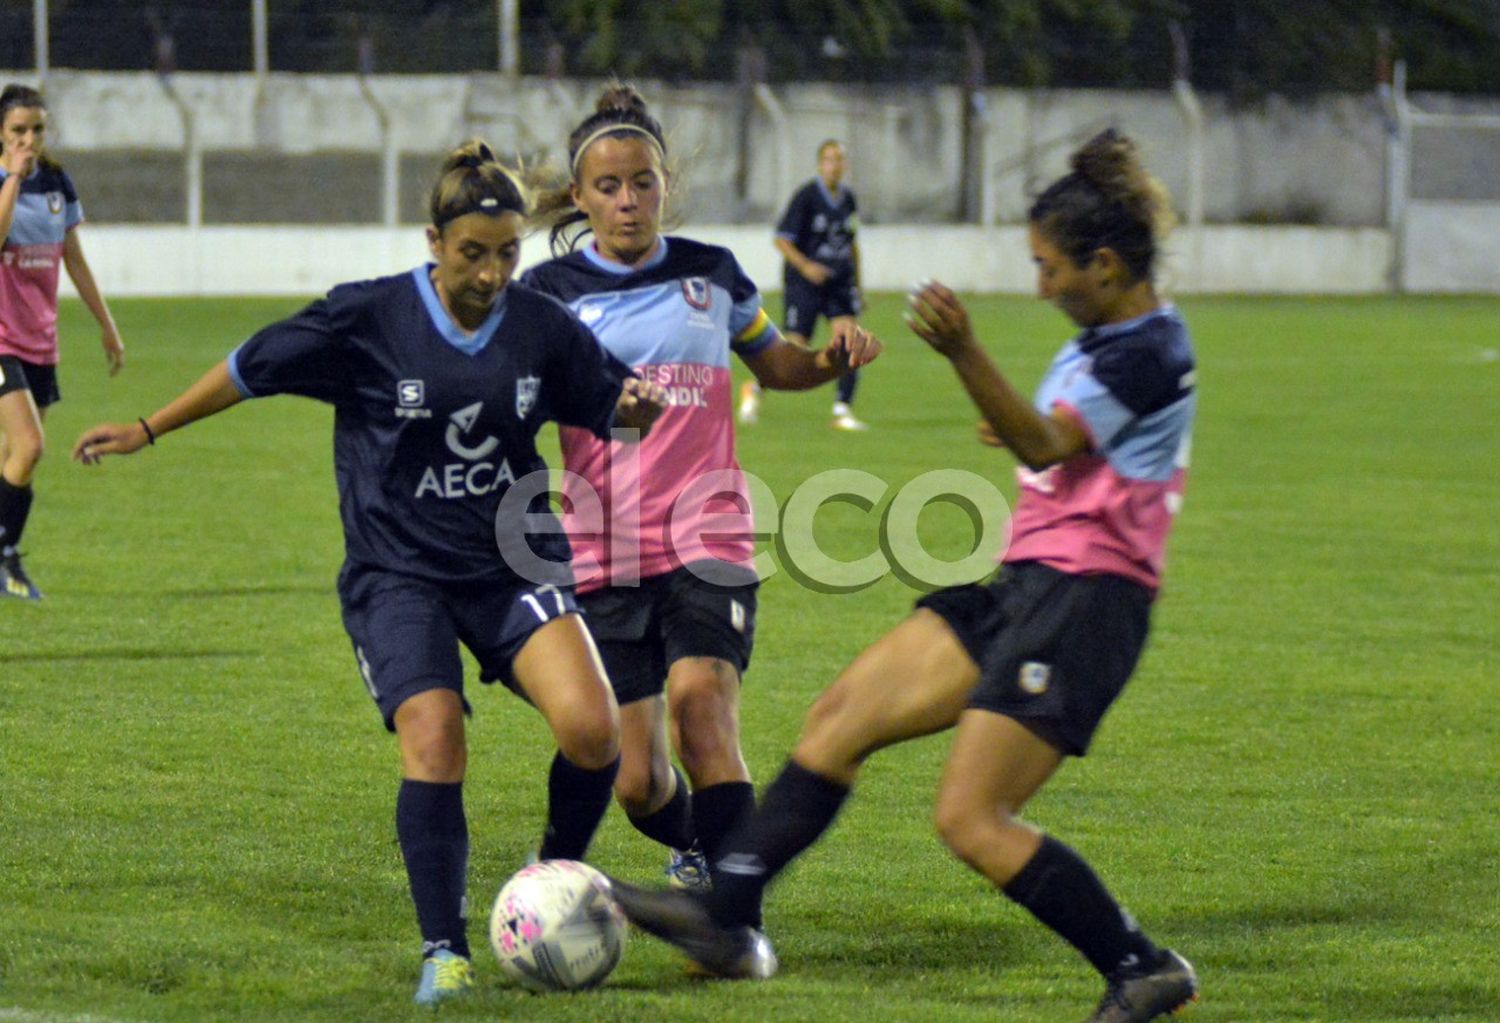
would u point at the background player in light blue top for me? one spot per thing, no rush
(39, 217)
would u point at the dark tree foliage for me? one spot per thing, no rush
(1244, 48)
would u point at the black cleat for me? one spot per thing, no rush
(13, 579)
(682, 919)
(1135, 998)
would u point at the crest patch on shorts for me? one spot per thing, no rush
(1034, 676)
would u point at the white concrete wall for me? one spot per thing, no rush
(1452, 247)
(307, 261)
(1320, 159)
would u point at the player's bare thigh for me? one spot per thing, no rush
(913, 681)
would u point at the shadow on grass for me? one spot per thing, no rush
(261, 590)
(286, 589)
(127, 654)
(901, 954)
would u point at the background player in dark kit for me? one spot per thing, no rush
(820, 276)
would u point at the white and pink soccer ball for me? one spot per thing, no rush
(555, 927)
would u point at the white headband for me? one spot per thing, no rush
(610, 129)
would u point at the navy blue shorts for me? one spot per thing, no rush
(17, 374)
(642, 630)
(1054, 650)
(406, 630)
(806, 301)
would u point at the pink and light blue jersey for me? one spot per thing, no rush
(30, 262)
(1132, 388)
(634, 511)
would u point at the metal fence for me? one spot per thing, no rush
(465, 36)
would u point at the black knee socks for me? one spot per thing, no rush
(717, 811)
(434, 837)
(15, 507)
(847, 383)
(1058, 888)
(672, 825)
(576, 801)
(794, 812)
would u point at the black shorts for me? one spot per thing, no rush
(16, 374)
(1054, 650)
(805, 302)
(406, 630)
(642, 630)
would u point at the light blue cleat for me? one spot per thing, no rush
(445, 976)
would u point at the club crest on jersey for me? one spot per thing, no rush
(696, 292)
(55, 202)
(526, 392)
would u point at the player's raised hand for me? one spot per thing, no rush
(19, 159)
(988, 435)
(110, 439)
(852, 346)
(641, 403)
(815, 272)
(935, 314)
(114, 348)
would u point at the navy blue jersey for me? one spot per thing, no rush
(821, 225)
(432, 425)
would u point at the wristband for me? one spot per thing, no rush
(150, 437)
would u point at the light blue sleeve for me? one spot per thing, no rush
(1103, 415)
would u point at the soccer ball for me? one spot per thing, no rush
(556, 928)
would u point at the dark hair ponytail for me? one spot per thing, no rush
(1108, 201)
(474, 181)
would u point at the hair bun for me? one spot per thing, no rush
(478, 156)
(1110, 163)
(620, 97)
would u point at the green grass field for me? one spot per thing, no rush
(1300, 789)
